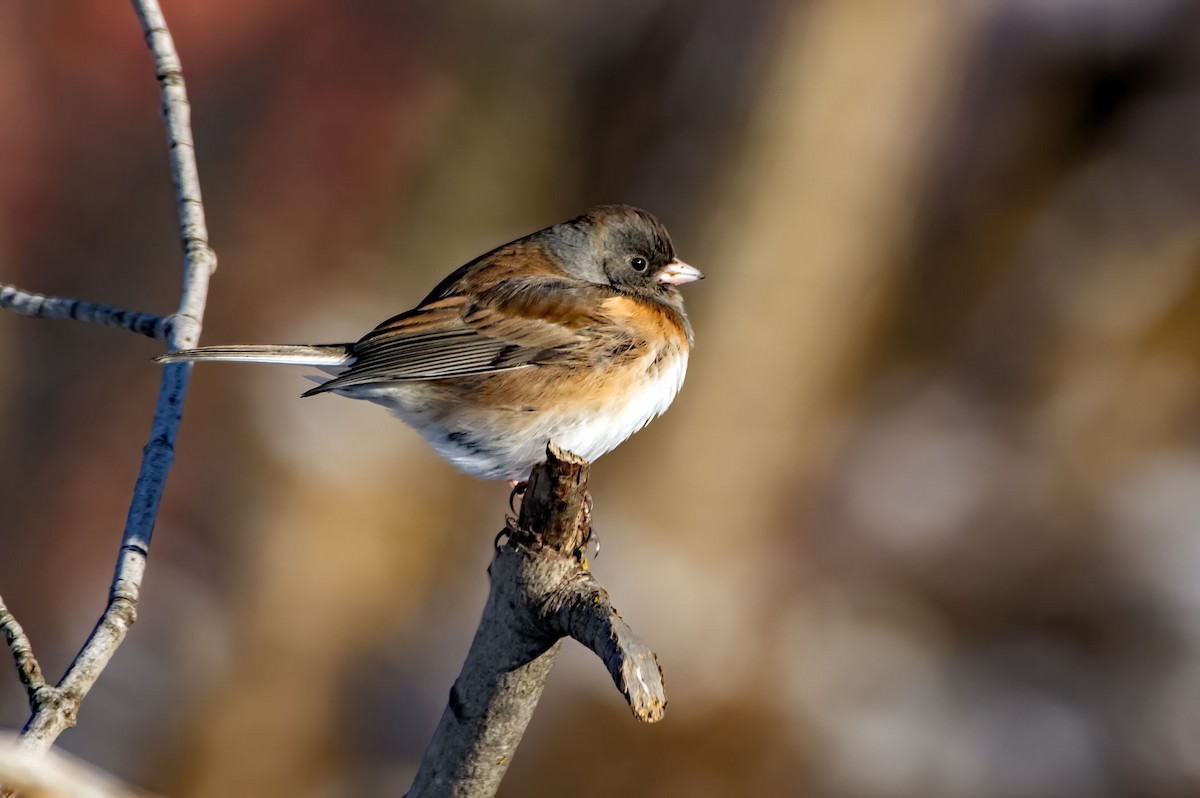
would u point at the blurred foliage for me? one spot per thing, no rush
(922, 523)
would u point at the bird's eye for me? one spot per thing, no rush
(639, 264)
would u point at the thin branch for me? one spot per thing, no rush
(27, 303)
(27, 664)
(57, 712)
(541, 591)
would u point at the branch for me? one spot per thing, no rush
(541, 591)
(56, 708)
(27, 303)
(27, 665)
(586, 614)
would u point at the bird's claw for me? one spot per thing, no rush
(518, 489)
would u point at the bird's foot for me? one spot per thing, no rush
(519, 486)
(590, 551)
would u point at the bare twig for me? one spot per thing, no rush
(56, 708)
(27, 664)
(541, 591)
(27, 303)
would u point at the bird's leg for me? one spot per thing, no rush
(519, 486)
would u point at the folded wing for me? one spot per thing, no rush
(519, 322)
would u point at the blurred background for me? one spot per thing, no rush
(924, 521)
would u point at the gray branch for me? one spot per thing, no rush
(541, 591)
(27, 303)
(56, 708)
(27, 665)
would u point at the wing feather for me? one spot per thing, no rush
(518, 322)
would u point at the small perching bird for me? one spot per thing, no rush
(574, 334)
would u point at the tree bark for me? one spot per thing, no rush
(541, 591)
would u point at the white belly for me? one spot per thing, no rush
(599, 432)
(509, 449)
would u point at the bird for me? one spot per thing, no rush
(575, 334)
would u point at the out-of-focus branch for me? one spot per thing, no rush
(541, 591)
(55, 708)
(27, 303)
(55, 776)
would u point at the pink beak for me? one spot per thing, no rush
(677, 273)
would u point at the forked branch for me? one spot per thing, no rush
(541, 591)
(55, 708)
